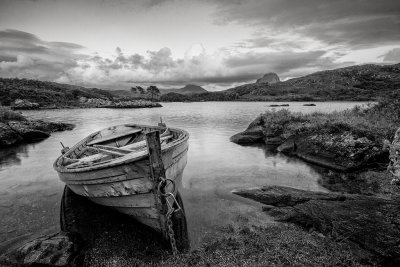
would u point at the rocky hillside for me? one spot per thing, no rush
(187, 90)
(269, 78)
(359, 83)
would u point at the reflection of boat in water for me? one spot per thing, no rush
(117, 167)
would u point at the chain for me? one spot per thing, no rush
(171, 236)
(170, 211)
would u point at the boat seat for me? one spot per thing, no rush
(142, 144)
(104, 151)
(111, 137)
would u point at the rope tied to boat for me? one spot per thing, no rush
(172, 207)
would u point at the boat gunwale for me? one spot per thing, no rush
(119, 162)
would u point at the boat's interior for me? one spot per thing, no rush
(112, 143)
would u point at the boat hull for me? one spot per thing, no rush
(128, 187)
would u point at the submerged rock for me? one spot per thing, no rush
(281, 196)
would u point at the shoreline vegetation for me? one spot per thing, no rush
(351, 151)
(354, 83)
(16, 129)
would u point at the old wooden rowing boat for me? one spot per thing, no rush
(112, 167)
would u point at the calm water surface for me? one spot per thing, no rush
(30, 190)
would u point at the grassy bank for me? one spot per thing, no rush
(376, 122)
(277, 245)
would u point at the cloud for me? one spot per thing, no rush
(63, 62)
(362, 23)
(24, 55)
(392, 55)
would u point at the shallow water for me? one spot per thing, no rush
(30, 190)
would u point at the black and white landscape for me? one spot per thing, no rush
(292, 109)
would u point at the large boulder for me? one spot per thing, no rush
(253, 133)
(269, 78)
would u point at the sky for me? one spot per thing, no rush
(169, 43)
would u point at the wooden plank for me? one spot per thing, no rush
(154, 149)
(106, 152)
(113, 136)
(84, 160)
(113, 189)
(113, 151)
(157, 172)
(142, 144)
(113, 148)
(133, 170)
(133, 201)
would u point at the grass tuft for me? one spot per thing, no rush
(7, 114)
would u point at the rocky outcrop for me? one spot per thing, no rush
(24, 104)
(269, 78)
(15, 132)
(318, 139)
(371, 222)
(253, 133)
(341, 151)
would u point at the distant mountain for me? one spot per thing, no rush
(187, 90)
(269, 78)
(358, 83)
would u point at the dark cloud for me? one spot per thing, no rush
(277, 61)
(392, 55)
(356, 23)
(25, 55)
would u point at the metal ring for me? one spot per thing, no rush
(166, 184)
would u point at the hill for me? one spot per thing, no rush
(24, 93)
(355, 83)
(187, 90)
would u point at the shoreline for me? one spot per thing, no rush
(353, 152)
(119, 242)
